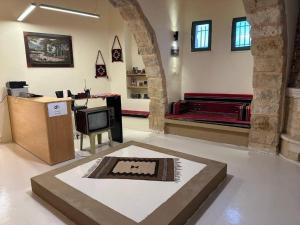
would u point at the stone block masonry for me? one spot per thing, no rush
(267, 18)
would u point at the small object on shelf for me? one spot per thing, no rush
(136, 96)
(140, 83)
(137, 84)
(135, 70)
(133, 82)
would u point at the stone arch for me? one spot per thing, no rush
(269, 36)
(146, 41)
(269, 44)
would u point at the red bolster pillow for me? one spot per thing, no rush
(179, 107)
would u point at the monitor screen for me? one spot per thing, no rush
(98, 120)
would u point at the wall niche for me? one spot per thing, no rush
(137, 83)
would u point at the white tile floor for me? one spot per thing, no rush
(261, 189)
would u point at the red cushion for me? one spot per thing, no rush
(248, 113)
(218, 96)
(226, 119)
(135, 113)
(214, 107)
(179, 107)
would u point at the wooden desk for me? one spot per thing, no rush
(50, 138)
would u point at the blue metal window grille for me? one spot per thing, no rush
(241, 39)
(201, 35)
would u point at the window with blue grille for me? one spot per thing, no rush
(241, 39)
(201, 35)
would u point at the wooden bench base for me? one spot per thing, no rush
(210, 132)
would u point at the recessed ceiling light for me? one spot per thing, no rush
(32, 6)
(27, 11)
(71, 11)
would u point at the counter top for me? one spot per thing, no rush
(43, 99)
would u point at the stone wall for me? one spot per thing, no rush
(146, 40)
(294, 80)
(290, 143)
(292, 124)
(269, 38)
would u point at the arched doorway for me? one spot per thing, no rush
(146, 41)
(269, 74)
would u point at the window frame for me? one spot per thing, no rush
(233, 35)
(194, 25)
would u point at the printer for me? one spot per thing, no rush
(16, 88)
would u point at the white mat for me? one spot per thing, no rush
(132, 198)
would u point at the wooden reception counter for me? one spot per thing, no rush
(43, 126)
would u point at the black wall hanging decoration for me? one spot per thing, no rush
(100, 68)
(116, 53)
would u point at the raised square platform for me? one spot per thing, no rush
(113, 201)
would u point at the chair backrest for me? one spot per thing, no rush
(60, 94)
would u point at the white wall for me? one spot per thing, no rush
(218, 70)
(164, 16)
(117, 71)
(133, 59)
(88, 36)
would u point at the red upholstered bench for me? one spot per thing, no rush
(223, 109)
(133, 113)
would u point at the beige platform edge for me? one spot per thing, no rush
(210, 132)
(84, 210)
(48, 138)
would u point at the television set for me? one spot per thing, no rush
(94, 119)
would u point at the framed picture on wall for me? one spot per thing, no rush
(48, 50)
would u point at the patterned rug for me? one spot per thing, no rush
(155, 169)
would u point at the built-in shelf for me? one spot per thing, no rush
(136, 75)
(135, 87)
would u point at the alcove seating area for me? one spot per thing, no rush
(215, 117)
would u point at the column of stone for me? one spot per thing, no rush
(267, 18)
(294, 79)
(148, 48)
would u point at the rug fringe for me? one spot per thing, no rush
(92, 169)
(177, 170)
